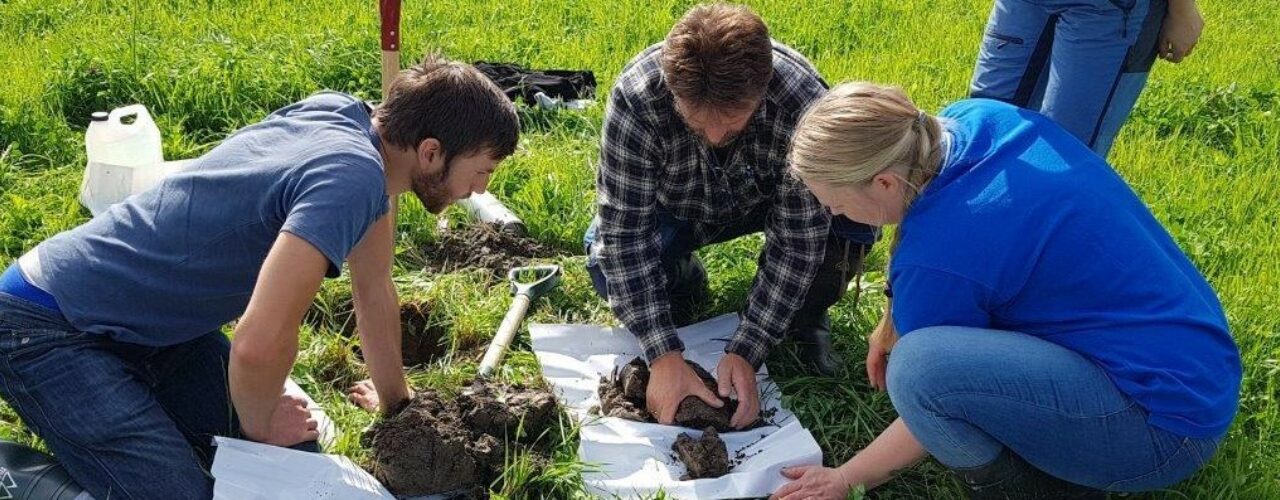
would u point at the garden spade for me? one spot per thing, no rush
(542, 279)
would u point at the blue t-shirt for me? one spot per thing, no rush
(181, 259)
(1025, 229)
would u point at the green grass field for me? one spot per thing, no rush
(1202, 148)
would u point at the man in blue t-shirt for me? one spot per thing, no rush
(111, 330)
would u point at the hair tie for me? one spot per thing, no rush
(920, 116)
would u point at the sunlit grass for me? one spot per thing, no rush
(1203, 149)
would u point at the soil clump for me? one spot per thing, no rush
(622, 395)
(703, 457)
(435, 443)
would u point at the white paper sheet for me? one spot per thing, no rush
(245, 470)
(634, 459)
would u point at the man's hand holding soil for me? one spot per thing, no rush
(735, 375)
(671, 380)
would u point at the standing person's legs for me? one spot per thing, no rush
(1084, 65)
(81, 394)
(1133, 77)
(980, 399)
(1014, 53)
(1096, 71)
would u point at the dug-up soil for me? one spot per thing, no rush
(437, 444)
(483, 246)
(703, 457)
(622, 395)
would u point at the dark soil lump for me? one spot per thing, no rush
(436, 444)
(622, 395)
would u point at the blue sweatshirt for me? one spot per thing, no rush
(1025, 229)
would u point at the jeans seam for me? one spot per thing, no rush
(23, 393)
(1182, 448)
(934, 416)
(955, 445)
(1127, 407)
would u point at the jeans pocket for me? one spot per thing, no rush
(1001, 40)
(16, 343)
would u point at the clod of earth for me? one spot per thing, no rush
(703, 457)
(438, 444)
(622, 395)
(483, 246)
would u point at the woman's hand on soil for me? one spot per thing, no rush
(812, 482)
(1181, 31)
(670, 381)
(735, 375)
(364, 395)
(291, 423)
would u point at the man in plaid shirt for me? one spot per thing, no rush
(694, 152)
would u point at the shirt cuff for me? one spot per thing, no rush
(658, 343)
(751, 349)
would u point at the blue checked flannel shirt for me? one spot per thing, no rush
(650, 162)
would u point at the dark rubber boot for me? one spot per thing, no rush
(1009, 477)
(687, 287)
(29, 474)
(817, 354)
(811, 326)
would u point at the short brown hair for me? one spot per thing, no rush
(718, 55)
(453, 103)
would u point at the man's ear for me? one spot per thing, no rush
(429, 149)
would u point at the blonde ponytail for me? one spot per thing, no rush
(858, 130)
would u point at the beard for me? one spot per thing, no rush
(432, 189)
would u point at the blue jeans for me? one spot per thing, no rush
(968, 393)
(1081, 63)
(127, 421)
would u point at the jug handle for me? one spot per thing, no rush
(135, 109)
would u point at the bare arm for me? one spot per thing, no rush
(893, 450)
(266, 338)
(378, 310)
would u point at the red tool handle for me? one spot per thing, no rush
(389, 10)
(390, 13)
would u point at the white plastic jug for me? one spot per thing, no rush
(124, 158)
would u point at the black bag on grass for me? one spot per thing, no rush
(521, 83)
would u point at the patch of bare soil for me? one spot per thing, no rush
(435, 444)
(483, 246)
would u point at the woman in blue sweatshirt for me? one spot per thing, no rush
(1052, 340)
